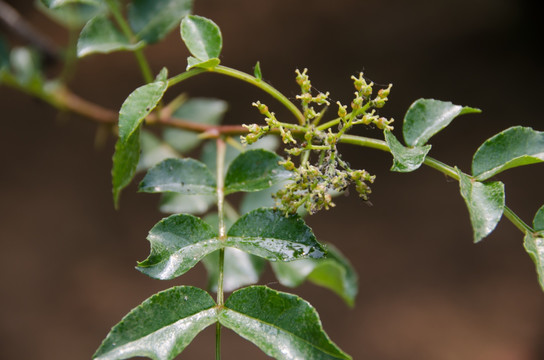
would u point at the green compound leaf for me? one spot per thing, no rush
(426, 117)
(255, 170)
(485, 203)
(534, 245)
(538, 221)
(405, 159)
(202, 37)
(511, 148)
(152, 20)
(240, 269)
(178, 243)
(282, 325)
(333, 272)
(175, 203)
(199, 110)
(184, 176)
(125, 162)
(100, 36)
(270, 234)
(153, 151)
(138, 105)
(161, 327)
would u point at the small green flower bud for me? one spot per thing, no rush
(384, 93)
(308, 137)
(288, 164)
(263, 109)
(342, 109)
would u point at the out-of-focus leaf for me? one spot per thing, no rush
(52, 4)
(178, 243)
(184, 176)
(270, 234)
(202, 37)
(426, 117)
(138, 105)
(73, 14)
(199, 110)
(100, 36)
(4, 56)
(153, 151)
(240, 269)
(534, 245)
(25, 64)
(125, 162)
(405, 159)
(282, 325)
(333, 272)
(255, 170)
(209, 156)
(152, 20)
(175, 203)
(538, 221)
(485, 203)
(161, 327)
(259, 199)
(513, 147)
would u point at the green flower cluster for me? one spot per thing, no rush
(321, 172)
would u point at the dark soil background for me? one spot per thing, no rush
(426, 291)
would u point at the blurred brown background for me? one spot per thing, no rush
(426, 292)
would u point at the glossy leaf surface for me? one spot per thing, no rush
(270, 234)
(485, 203)
(282, 325)
(199, 110)
(513, 147)
(184, 176)
(100, 36)
(125, 162)
(426, 117)
(333, 272)
(161, 327)
(538, 221)
(138, 105)
(534, 245)
(202, 37)
(254, 170)
(405, 159)
(153, 151)
(152, 20)
(178, 243)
